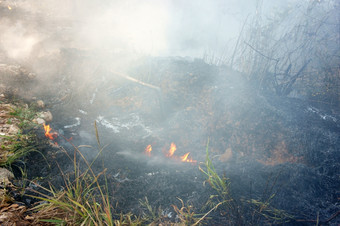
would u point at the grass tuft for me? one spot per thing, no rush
(83, 201)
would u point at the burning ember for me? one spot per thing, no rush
(148, 150)
(48, 133)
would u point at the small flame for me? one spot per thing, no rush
(171, 154)
(48, 133)
(172, 150)
(185, 158)
(9, 7)
(148, 150)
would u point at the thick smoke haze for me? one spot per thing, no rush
(129, 28)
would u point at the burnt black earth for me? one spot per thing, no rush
(265, 144)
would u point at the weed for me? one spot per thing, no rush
(222, 188)
(152, 215)
(128, 219)
(186, 214)
(14, 148)
(239, 211)
(25, 115)
(83, 201)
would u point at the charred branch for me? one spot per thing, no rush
(285, 88)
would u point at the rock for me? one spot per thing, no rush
(40, 104)
(13, 129)
(5, 176)
(31, 75)
(39, 121)
(46, 115)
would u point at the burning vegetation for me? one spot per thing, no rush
(269, 111)
(49, 133)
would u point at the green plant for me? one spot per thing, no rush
(83, 201)
(239, 211)
(221, 185)
(153, 216)
(268, 212)
(186, 214)
(22, 182)
(25, 115)
(15, 147)
(128, 219)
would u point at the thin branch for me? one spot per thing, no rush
(237, 43)
(269, 58)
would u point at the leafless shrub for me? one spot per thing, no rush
(294, 52)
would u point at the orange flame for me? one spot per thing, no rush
(148, 150)
(48, 133)
(171, 154)
(185, 158)
(172, 150)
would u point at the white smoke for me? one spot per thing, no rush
(16, 41)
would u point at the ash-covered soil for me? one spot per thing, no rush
(257, 140)
(263, 143)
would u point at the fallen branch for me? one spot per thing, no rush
(158, 89)
(135, 80)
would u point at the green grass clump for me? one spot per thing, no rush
(13, 148)
(82, 201)
(25, 115)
